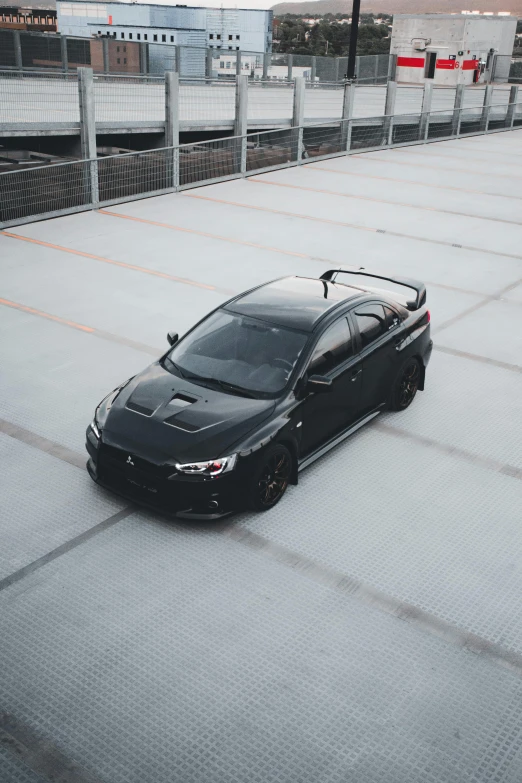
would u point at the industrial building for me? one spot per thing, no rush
(452, 49)
(219, 28)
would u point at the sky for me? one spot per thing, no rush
(222, 3)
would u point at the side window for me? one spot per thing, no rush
(333, 348)
(371, 322)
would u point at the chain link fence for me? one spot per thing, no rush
(71, 187)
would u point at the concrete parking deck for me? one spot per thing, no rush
(367, 629)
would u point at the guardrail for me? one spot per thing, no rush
(65, 188)
(105, 54)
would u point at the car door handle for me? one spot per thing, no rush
(356, 374)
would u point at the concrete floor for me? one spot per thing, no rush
(32, 103)
(367, 629)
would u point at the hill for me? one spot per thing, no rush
(397, 6)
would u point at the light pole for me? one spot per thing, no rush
(354, 31)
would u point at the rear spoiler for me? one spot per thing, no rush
(415, 285)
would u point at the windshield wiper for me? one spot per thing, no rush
(225, 385)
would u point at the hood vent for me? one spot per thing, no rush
(175, 421)
(137, 408)
(182, 400)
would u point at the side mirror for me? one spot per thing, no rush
(319, 383)
(172, 337)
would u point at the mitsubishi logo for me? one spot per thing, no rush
(129, 460)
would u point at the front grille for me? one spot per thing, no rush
(118, 459)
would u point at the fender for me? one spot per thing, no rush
(281, 430)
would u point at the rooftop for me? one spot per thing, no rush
(297, 302)
(368, 628)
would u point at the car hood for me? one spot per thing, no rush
(164, 418)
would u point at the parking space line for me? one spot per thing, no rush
(100, 333)
(427, 166)
(313, 166)
(371, 597)
(204, 234)
(380, 201)
(469, 310)
(133, 267)
(65, 547)
(42, 444)
(477, 358)
(356, 226)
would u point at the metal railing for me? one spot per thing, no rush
(37, 51)
(88, 184)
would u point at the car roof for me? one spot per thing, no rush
(296, 302)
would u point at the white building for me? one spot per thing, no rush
(452, 49)
(219, 28)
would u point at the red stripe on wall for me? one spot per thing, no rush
(110, 19)
(448, 65)
(469, 65)
(411, 62)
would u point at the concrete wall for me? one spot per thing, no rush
(446, 36)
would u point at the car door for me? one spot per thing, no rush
(379, 333)
(322, 414)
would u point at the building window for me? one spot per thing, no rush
(230, 47)
(99, 31)
(122, 35)
(218, 36)
(155, 37)
(130, 36)
(228, 65)
(237, 48)
(229, 37)
(237, 37)
(211, 36)
(172, 39)
(118, 60)
(221, 65)
(164, 39)
(125, 61)
(139, 36)
(145, 37)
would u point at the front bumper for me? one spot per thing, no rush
(184, 497)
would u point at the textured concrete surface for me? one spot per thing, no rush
(367, 629)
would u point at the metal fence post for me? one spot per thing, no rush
(177, 60)
(17, 50)
(266, 62)
(172, 127)
(63, 51)
(392, 68)
(486, 108)
(457, 107)
(298, 115)
(357, 66)
(208, 64)
(88, 132)
(290, 64)
(313, 75)
(389, 110)
(144, 57)
(238, 62)
(240, 122)
(510, 114)
(346, 124)
(106, 63)
(424, 124)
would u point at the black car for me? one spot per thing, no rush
(259, 389)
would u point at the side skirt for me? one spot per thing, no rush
(304, 463)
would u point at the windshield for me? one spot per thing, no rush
(241, 352)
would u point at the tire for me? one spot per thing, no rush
(270, 478)
(405, 386)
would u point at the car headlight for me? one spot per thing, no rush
(210, 468)
(95, 428)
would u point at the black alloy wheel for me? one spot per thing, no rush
(271, 478)
(406, 385)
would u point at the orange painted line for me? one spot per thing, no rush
(204, 233)
(41, 314)
(104, 260)
(313, 166)
(286, 214)
(381, 201)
